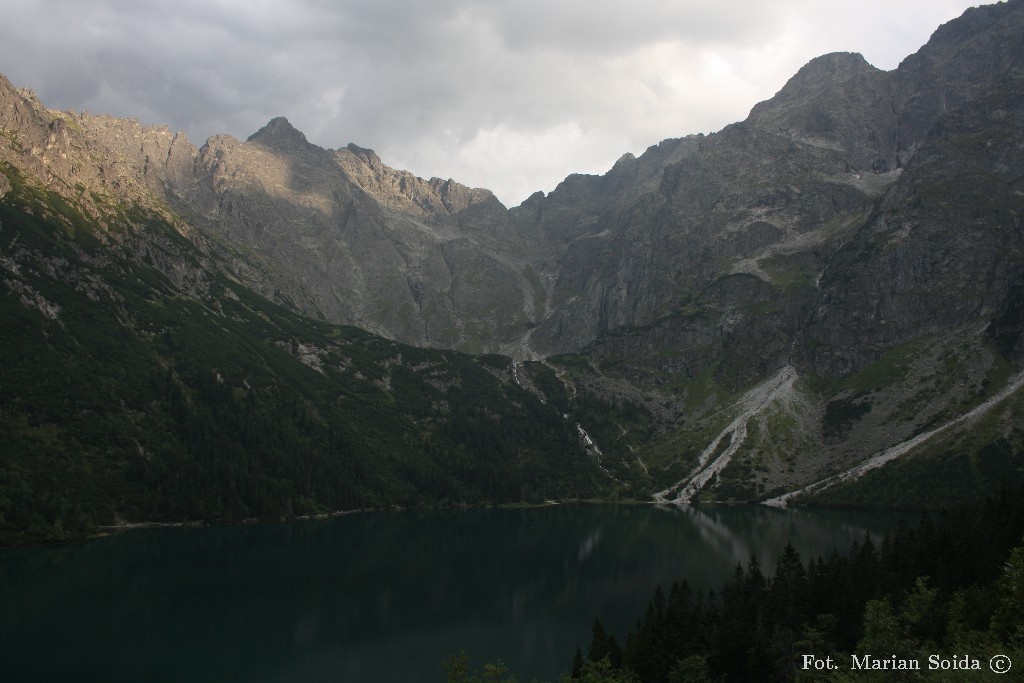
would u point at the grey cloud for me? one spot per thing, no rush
(574, 25)
(420, 80)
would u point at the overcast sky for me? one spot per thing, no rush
(512, 95)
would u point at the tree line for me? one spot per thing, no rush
(952, 584)
(950, 588)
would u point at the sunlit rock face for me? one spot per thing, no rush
(766, 227)
(859, 235)
(418, 261)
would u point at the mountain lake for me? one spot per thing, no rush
(376, 597)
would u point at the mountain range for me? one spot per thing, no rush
(823, 302)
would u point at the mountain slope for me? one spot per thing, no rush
(897, 321)
(733, 316)
(143, 381)
(802, 169)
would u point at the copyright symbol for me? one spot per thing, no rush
(1000, 664)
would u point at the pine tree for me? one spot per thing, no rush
(577, 664)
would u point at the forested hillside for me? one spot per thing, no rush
(817, 304)
(128, 399)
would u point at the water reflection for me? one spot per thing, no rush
(373, 597)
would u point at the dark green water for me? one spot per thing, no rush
(377, 597)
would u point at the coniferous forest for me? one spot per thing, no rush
(947, 593)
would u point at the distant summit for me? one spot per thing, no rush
(279, 134)
(825, 281)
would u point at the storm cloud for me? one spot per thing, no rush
(512, 95)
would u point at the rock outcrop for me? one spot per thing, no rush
(856, 216)
(433, 262)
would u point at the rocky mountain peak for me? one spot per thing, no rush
(364, 153)
(836, 102)
(6, 87)
(279, 134)
(827, 70)
(861, 226)
(975, 22)
(819, 77)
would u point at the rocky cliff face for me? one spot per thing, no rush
(425, 262)
(861, 228)
(805, 167)
(856, 217)
(945, 246)
(335, 232)
(432, 262)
